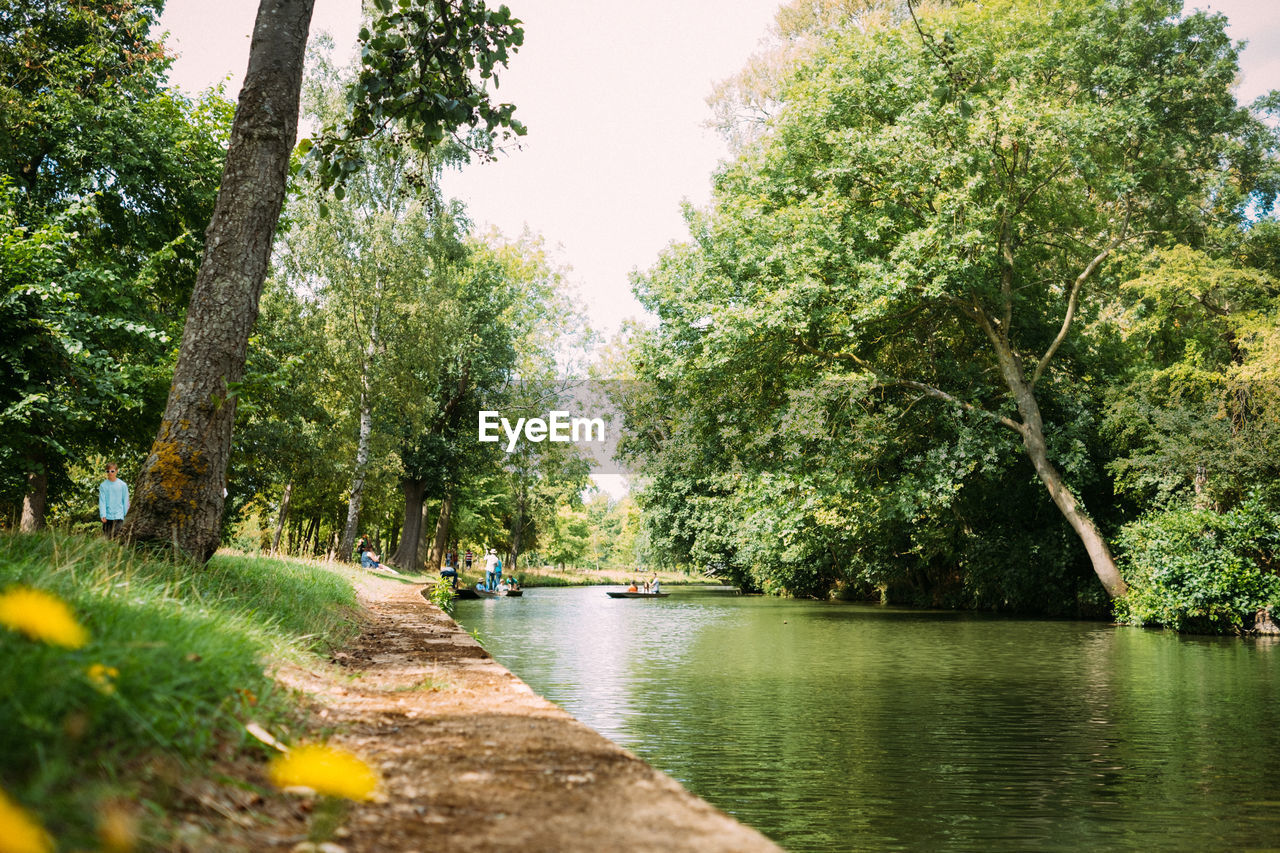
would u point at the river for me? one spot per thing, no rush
(834, 726)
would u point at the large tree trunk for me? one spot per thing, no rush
(440, 541)
(406, 556)
(283, 517)
(1032, 429)
(35, 501)
(180, 491)
(425, 542)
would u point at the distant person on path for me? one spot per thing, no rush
(490, 563)
(113, 502)
(469, 558)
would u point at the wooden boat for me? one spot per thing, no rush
(472, 592)
(637, 594)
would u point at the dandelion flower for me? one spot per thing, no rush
(19, 832)
(325, 770)
(103, 678)
(41, 616)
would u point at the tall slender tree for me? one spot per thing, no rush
(425, 69)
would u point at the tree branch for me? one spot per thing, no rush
(1074, 299)
(885, 381)
(930, 391)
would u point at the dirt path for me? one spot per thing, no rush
(473, 760)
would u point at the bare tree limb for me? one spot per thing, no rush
(930, 391)
(1074, 299)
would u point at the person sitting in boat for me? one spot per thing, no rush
(512, 584)
(633, 587)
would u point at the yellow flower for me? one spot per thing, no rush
(325, 770)
(103, 677)
(19, 832)
(41, 616)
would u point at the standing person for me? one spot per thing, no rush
(497, 574)
(490, 561)
(469, 558)
(113, 502)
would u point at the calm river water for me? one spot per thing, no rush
(834, 727)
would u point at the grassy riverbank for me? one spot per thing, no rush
(104, 727)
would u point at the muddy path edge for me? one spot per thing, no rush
(472, 759)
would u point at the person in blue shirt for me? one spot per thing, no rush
(113, 502)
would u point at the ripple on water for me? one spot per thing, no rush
(848, 727)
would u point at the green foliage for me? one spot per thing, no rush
(443, 596)
(1200, 413)
(187, 649)
(1201, 571)
(112, 177)
(918, 251)
(425, 68)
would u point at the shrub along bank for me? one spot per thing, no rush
(1202, 571)
(111, 664)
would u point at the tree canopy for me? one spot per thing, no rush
(912, 265)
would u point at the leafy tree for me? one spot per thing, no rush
(425, 68)
(504, 314)
(94, 147)
(1199, 416)
(926, 221)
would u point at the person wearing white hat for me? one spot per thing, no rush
(490, 569)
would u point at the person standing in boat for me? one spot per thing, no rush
(497, 574)
(653, 585)
(490, 562)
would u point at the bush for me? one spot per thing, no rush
(1200, 571)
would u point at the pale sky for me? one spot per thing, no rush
(614, 96)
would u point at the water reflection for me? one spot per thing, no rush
(849, 727)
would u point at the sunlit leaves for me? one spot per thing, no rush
(426, 68)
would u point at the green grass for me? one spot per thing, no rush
(189, 644)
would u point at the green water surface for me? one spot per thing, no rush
(834, 727)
